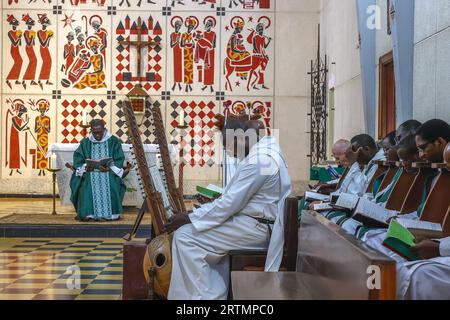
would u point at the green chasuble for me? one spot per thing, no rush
(96, 194)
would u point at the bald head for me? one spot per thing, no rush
(338, 151)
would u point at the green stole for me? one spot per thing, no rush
(377, 183)
(426, 190)
(382, 198)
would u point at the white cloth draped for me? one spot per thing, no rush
(258, 190)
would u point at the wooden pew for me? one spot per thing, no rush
(381, 168)
(289, 286)
(331, 265)
(446, 224)
(401, 188)
(327, 250)
(243, 260)
(438, 200)
(414, 197)
(390, 173)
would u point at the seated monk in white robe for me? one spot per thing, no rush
(405, 130)
(428, 278)
(241, 219)
(431, 140)
(364, 152)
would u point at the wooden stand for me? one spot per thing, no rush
(54, 171)
(134, 286)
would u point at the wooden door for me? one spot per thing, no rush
(386, 105)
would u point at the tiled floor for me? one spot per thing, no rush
(35, 269)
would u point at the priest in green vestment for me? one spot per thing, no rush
(98, 194)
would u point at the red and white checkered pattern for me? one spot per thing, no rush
(198, 143)
(71, 131)
(151, 60)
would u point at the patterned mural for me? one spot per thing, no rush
(63, 58)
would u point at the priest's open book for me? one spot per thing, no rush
(97, 163)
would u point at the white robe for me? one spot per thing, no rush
(351, 183)
(426, 279)
(374, 238)
(358, 186)
(259, 189)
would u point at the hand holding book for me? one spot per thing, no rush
(402, 240)
(427, 249)
(102, 165)
(208, 194)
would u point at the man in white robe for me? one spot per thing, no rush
(364, 150)
(238, 220)
(338, 151)
(428, 278)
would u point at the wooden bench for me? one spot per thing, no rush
(331, 264)
(289, 286)
(251, 260)
(401, 188)
(438, 199)
(446, 224)
(390, 173)
(381, 168)
(414, 197)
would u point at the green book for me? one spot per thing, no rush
(400, 240)
(210, 192)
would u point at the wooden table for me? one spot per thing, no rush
(289, 286)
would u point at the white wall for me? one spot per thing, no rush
(296, 45)
(432, 62)
(340, 42)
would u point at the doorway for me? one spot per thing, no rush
(387, 103)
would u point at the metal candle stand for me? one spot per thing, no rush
(54, 171)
